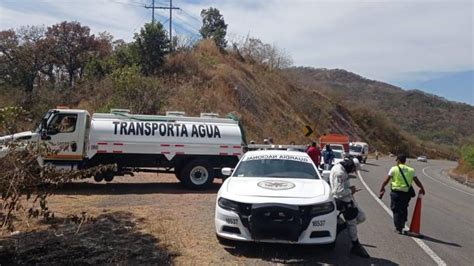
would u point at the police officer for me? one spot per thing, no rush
(343, 193)
(400, 196)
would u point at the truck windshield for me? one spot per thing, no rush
(356, 148)
(337, 147)
(276, 168)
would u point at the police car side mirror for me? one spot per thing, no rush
(226, 171)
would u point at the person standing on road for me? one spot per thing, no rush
(328, 157)
(343, 192)
(401, 177)
(314, 153)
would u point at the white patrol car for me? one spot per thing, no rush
(276, 196)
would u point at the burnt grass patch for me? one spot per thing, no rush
(111, 238)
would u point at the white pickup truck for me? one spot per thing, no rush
(194, 148)
(360, 150)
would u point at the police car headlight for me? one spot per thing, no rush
(320, 209)
(228, 204)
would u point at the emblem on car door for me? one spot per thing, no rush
(276, 185)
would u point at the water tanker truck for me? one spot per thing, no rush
(194, 148)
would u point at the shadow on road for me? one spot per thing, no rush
(428, 238)
(86, 188)
(305, 254)
(302, 254)
(371, 164)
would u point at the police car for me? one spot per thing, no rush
(275, 196)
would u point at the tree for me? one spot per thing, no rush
(73, 46)
(213, 26)
(152, 45)
(256, 51)
(23, 54)
(132, 90)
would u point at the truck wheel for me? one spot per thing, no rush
(197, 174)
(98, 177)
(109, 176)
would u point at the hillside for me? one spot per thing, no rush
(427, 116)
(270, 102)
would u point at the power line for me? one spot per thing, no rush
(132, 3)
(189, 15)
(170, 8)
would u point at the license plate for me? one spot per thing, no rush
(319, 223)
(231, 220)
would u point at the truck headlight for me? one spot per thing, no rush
(228, 204)
(323, 208)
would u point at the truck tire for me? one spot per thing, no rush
(109, 176)
(197, 174)
(98, 178)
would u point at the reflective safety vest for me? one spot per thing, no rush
(398, 184)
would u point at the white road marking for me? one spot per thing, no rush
(418, 241)
(442, 183)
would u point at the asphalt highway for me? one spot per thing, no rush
(447, 219)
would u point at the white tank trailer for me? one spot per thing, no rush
(194, 148)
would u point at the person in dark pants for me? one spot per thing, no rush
(400, 196)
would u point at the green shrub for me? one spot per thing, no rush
(136, 92)
(467, 153)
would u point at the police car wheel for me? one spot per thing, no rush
(197, 175)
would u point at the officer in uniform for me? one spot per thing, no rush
(400, 195)
(343, 193)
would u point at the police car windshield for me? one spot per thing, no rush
(276, 168)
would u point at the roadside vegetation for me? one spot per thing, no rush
(464, 173)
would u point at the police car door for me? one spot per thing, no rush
(62, 137)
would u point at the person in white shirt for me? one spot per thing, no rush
(343, 192)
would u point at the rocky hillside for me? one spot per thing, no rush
(426, 116)
(271, 102)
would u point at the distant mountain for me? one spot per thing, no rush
(457, 86)
(424, 115)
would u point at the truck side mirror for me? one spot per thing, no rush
(226, 171)
(44, 135)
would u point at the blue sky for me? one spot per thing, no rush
(416, 44)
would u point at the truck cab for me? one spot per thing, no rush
(360, 150)
(65, 132)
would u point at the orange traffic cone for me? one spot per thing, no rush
(416, 219)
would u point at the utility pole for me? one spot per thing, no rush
(171, 8)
